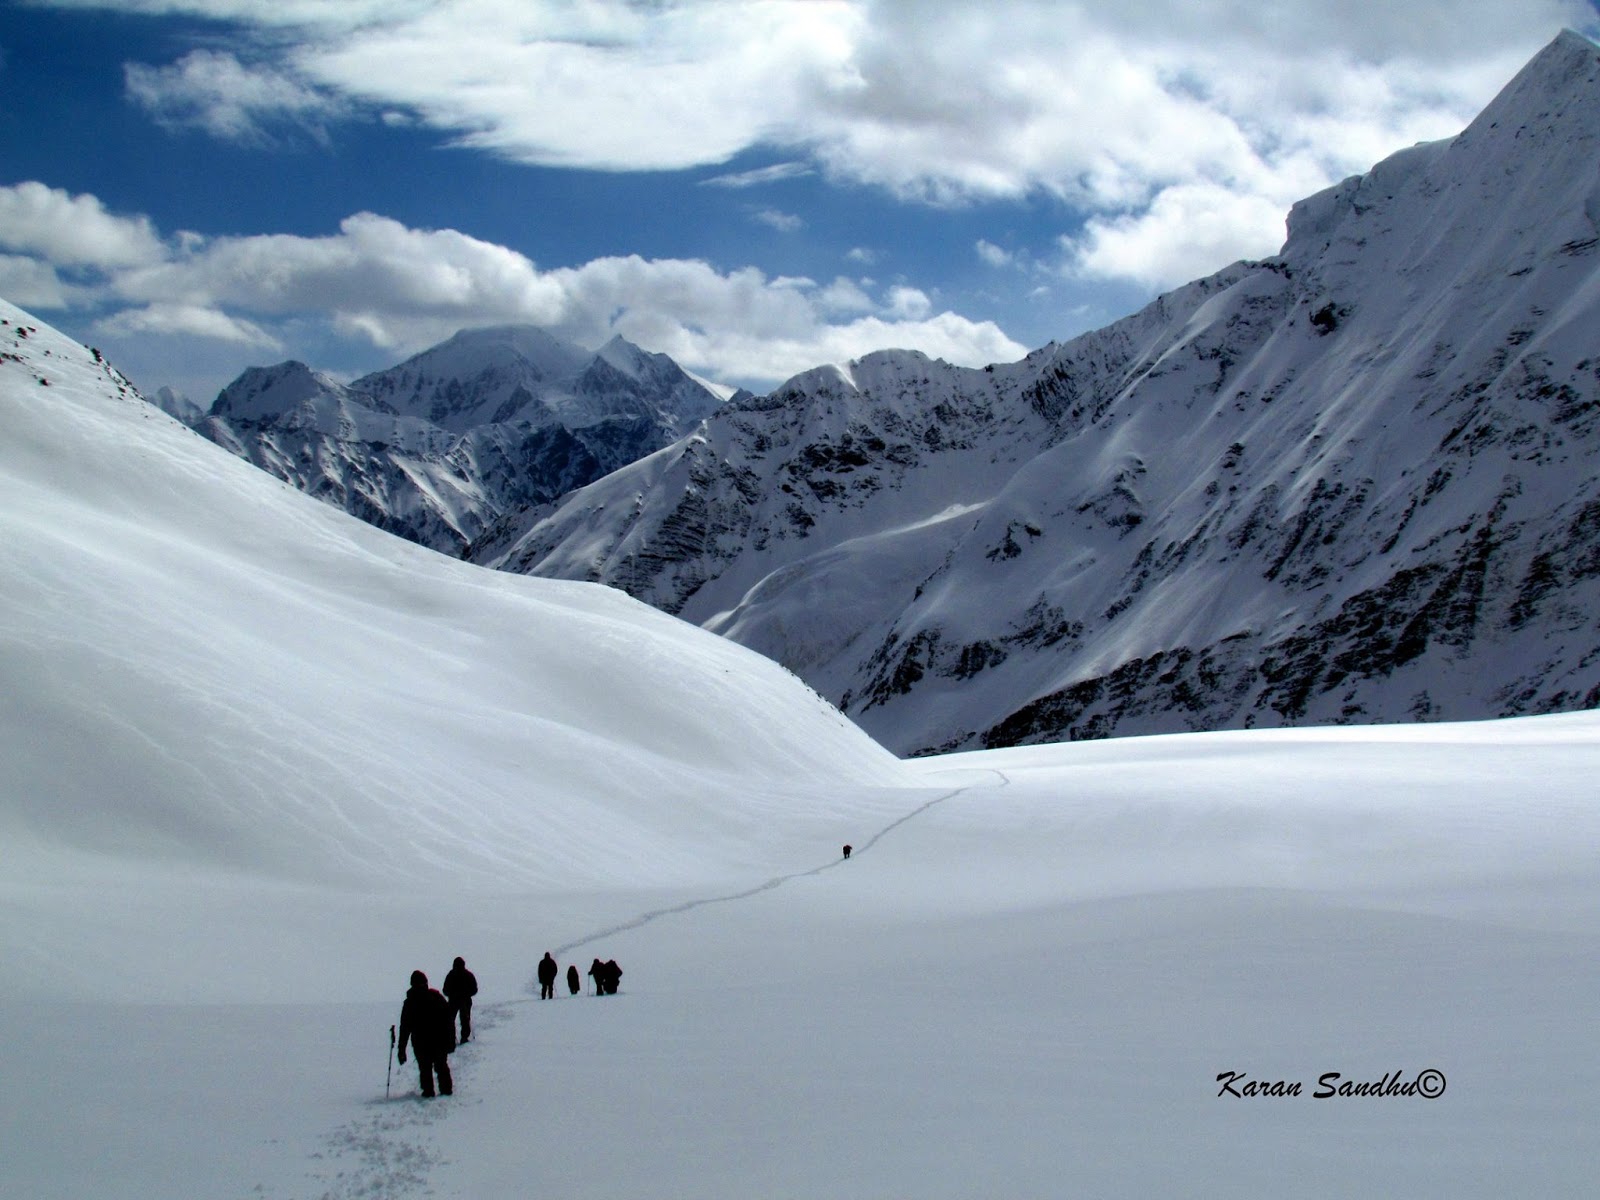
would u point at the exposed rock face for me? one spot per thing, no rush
(439, 447)
(1356, 482)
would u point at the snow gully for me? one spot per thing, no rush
(1429, 1084)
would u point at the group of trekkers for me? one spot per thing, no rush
(607, 977)
(428, 1017)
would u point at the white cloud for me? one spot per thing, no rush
(188, 320)
(761, 176)
(774, 356)
(603, 84)
(1105, 107)
(845, 296)
(781, 221)
(31, 283)
(994, 256)
(1187, 232)
(743, 325)
(402, 289)
(909, 304)
(72, 231)
(215, 92)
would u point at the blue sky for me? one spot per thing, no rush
(197, 186)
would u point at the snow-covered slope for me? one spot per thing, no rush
(1356, 482)
(262, 761)
(165, 602)
(439, 447)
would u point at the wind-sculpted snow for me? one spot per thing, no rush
(1356, 482)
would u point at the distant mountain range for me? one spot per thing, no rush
(437, 448)
(1357, 482)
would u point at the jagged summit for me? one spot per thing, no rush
(480, 377)
(441, 446)
(263, 393)
(1487, 195)
(1359, 481)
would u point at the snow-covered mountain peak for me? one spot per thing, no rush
(870, 373)
(265, 393)
(1356, 481)
(176, 404)
(542, 353)
(445, 444)
(1487, 196)
(523, 374)
(627, 357)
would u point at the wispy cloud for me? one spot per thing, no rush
(215, 92)
(781, 221)
(994, 256)
(761, 176)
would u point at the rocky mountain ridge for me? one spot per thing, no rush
(439, 447)
(1359, 481)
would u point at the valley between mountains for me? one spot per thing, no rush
(1353, 483)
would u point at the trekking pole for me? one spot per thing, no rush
(389, 1074)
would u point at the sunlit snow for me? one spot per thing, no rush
(262, 761)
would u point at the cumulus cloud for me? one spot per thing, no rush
(1123, 113)
(604, 84)
(1187, 231)
(31, 283)
(373, 264)
(73, 231)
(392, 286)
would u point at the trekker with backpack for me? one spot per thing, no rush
(460, 986)
(427, 1022)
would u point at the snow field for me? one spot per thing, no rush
(262, 762)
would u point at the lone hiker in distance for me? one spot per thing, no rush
(460, 986)
(427, 1022)
(847, 849)
(547, 977)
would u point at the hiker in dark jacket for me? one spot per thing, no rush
(574, 984)
(547, 977)
(460, 986)
(426, 1021)
(612, 979)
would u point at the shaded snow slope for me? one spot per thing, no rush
(206, 668)
(1354, 483)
